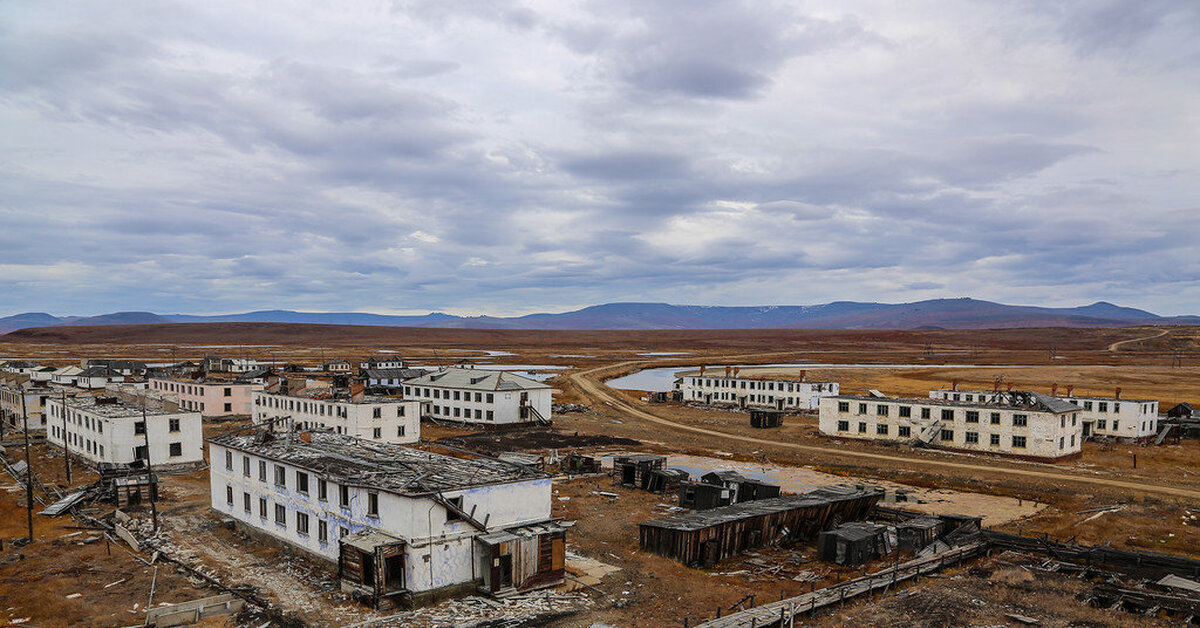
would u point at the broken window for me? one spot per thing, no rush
(994, 439)
(972, 416)
(972, 438)
(280, 476)
(281, 515)
(881, 429)
(1018, 442)
(373, 503)
(173, 425)
(176, 450)
(904, 431)
(905, 412)
(262, 470)
(458, 503)
(947, 415)
(302, 524)
(302, 482)
(1020, 420)
(947, 435)
(344, 496)
(322, 531)
(322, 489)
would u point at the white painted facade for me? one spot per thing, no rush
(481, 396)
(113, 432)
(382, 363)
(66, 375)
(1027, 431)
(440, 550)
(779, 394)
(12, 413)
(383, 419)
(1102, 416)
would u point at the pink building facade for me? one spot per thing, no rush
(209, 398)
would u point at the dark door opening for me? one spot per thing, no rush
(506, 571)
(393, 570)
(628, 474)
(368, 569)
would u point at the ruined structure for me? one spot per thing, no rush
(405, 526)
(708, 536)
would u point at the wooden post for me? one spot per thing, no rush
(66, 450)
(149, 469)
(28, 470)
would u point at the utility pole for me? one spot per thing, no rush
(149, 470)
(28, 470)
(66, 451)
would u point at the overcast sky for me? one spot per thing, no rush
(511, 157)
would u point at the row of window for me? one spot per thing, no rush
(456, 412)
(948, 414)
(448, 395)
(186, 389)
(757, 385)
(302, 483)
(946, 435)
(281, 516)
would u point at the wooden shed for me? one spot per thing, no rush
(634, 470)
(371, 569)
(703, 496)
(854, 543)
(579, 464)
(708, 536)
(915, 534)
(524, 558)
(763, 418)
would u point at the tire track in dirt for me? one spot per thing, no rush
(598, 391)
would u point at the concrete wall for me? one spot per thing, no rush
(439, 552)
(472, 406)
(1047, 435)
(741, 391)
(1109, 416)
(114, 439)
(212, 399)
(399, 422)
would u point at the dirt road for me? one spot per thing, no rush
(1117, 345)
(601, 393)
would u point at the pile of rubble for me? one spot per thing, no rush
(530, 609)
(567, 408)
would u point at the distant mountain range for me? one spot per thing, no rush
(935, 314)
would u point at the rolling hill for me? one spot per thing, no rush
(934, 314)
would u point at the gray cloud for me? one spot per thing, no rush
(521, 156)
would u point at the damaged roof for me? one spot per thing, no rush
(477, 379)
(1021, 400)
(393, 468)
(700, 520)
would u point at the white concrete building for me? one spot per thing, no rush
(753, 392)
(66, 376)
(385, 419)
(404, 525)
(16, 389)
(105, 429)
(1021, 424)
(382, 363)
(481, 396)
(1114, 417)
(390, 378)
(211, 398)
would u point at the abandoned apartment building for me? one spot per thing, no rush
(1114, 417)
(708, 536)
(1021, 424)
(211, 398)
(481, 396)
(742, 392)
(125, 428)
(406, 527)
(21, 397)
(343, 411)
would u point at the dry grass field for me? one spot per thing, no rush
(1155, 499)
